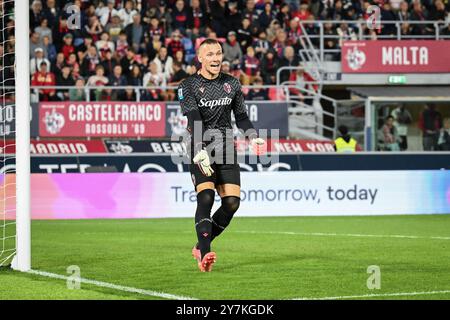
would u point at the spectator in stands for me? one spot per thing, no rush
(98, 80)
(272, 30)
(289, 59)
(198, 15)
(72, 62)
(90, 61)
(108, 62)
(175, 80)
(135, 76)
(64, 79)
(244, 34)
(261, 45)
(390, 135)
(50, 52)
(114, 27)
(36, 14)
(444, 136)
(232, 51)
(51, 13)
(302, 13)
(251, 13)
(294, 31)
(122, 45)
(116, 79)
(78, 93)
(135, 32)
(269, 67)
(234, 18)
(104, 44)
(284, 15)
(43, 30)
(418, 14)
(36, 62)
(83, 48)
(68, 47)
(35, 42)
(57, 66)
(127, 13)
(179, 58)
(257, 93)
(403, 14)
(154, 78)
(335, 13)
(330, 39)
(388, 29)
(175, 45)
(250, 67)
(164, 16)
(107, 13)
(402, 118)
(180, 16)
(345, 33)
(42, 77)
(219, 13)
(430, 122)
(266, 16)
(226, 68)
(94, 28)
(437, 11)
(128, 61)
(164, 63)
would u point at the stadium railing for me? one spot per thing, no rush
(434, 32)
(306, 114)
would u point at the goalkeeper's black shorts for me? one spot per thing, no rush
(223, 174)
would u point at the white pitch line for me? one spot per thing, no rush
(113, 286)
(321, 234)
(398, 294)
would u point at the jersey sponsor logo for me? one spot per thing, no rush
(180, 94)
(213, 103)
(227, 87)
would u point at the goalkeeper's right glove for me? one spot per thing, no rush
(202, 160)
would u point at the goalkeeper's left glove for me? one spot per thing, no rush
(202, 160)
(258, 146)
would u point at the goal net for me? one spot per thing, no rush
(8, 134)
(14, 135)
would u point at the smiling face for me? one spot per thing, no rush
(210, 56)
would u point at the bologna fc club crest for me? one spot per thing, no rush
(227, 87)
(54, 122)
(355, 58)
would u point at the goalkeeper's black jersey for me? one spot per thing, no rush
(215, 99)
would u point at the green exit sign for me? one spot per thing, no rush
(397, 79)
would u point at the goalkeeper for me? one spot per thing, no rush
(207, 98)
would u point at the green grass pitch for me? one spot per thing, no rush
(258, 258)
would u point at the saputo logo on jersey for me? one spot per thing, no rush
(214, 103)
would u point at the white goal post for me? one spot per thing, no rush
(22, 260)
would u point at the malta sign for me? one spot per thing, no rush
(393, 56)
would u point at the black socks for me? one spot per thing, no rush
(203, 223)
(222, 217)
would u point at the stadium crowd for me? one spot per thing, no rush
(152, 43)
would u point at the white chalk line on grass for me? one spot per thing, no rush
(375, 295)
(322, 234)
(113, 286)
